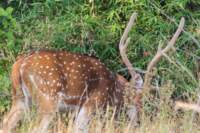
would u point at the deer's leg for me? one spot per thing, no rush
(82, 121)
(95, 101)
(14, 116)
(46, 112)
(132, 114)
(44, 121)
(133, 111)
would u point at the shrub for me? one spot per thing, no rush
(9, 47)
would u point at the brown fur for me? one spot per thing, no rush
(47, 78)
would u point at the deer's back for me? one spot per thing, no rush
(64, 75)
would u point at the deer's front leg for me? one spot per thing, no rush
(82, 121)
(95, 101)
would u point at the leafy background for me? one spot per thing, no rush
(94, 27)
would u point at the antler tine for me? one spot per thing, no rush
(161, 52)
(124, 43)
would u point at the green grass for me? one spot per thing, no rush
(95, 28)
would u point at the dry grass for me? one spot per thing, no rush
(70, 29)
(158, 116)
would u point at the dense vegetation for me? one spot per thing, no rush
(94, 28)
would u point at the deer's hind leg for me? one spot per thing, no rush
(46, 112)
(14, 116)
(44, 121)
(20, 102)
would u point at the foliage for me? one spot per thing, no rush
(94, 28)
(9, 46)
(7, 29)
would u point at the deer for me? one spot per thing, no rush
(57, 81)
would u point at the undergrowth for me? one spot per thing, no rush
(94, 28)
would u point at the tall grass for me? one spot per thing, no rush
(94, 28)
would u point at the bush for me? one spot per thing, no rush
(95, 27)
(9, 47)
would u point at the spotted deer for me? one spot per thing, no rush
(60, 80)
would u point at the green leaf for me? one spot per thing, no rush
(9, 10)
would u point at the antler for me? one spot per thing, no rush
(136, 78)
(124, 43)
(162, 52)
(122, 47)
